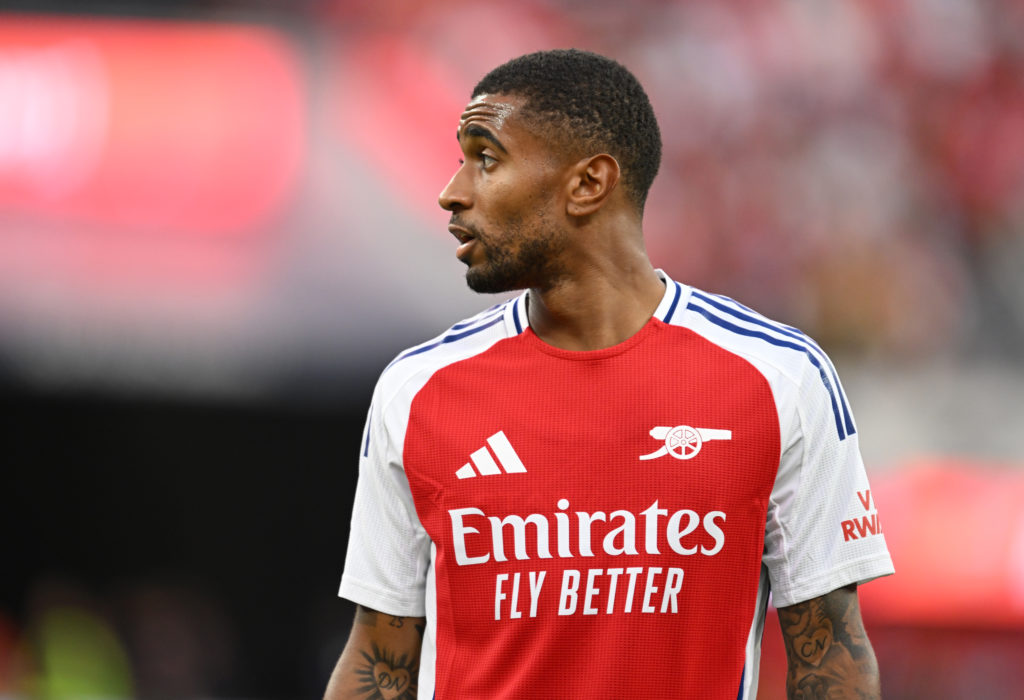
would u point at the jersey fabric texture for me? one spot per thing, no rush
(608, 524)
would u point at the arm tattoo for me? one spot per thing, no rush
(385, 676)
(383, 673)
(366, 616)
(829, 654)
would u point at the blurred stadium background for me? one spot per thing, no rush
(218, 222)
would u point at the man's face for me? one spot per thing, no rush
(504, 199)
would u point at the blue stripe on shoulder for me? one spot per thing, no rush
(369, 424)
(795, 332)
(450, 338)
(675, 302)
(515, 315)
(719, 302)
(482, 316)
(843, 430)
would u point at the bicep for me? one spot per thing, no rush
(380, 659)
(827, 648)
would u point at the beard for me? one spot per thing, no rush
(534, 262)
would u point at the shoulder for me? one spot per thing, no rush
(412, 367)
(742, 330)
(792, 362)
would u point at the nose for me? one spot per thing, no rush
(456, 194)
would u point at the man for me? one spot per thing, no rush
(589, 490)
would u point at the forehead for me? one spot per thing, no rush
(496, 113)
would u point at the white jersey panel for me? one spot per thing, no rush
(821, 482)
(389, 552)
(428, 652)
(388, 549)
(752, 665)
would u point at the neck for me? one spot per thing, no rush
(603, 303)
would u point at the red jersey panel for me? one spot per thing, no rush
(599, 517)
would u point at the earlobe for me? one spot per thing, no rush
(594, 178)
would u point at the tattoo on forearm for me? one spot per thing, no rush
(385, 676)
(830, 656)
(366, 616)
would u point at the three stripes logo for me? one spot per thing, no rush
(486, 465)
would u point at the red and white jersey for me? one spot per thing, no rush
(608, 524)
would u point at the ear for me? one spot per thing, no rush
(592, 180)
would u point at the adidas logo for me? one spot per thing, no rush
(485, 464)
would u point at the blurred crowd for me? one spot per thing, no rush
(860, 163)
(153, 640)
(854, 167)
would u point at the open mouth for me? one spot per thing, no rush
(466, 238)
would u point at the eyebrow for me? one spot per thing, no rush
(479, 131)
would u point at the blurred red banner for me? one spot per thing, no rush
(148, 126)
(955, 529)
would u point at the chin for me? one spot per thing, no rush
(484, 286)
(486, 282)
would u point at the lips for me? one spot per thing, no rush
(466, 238)
(463, 234)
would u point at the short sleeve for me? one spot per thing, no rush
(823, 530)
(388, 549)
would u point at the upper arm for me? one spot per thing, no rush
(827, 648)
(380, 659)
(822, 528)
(388, 548)
(388, 556)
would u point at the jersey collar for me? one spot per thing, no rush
(674, 300)
(677, 296)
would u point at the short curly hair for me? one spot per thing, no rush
(603, 105)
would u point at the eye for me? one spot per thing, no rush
(486, 161)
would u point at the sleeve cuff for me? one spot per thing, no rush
(857, 572)
(376, 598)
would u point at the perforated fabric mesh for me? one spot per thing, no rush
(389, 552)
(821, 482)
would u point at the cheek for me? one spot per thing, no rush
(514, 195)
(530, 196)
(544, 192)
(503, 202)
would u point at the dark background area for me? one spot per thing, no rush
(246, 504)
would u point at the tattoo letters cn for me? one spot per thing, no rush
(830, 657)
